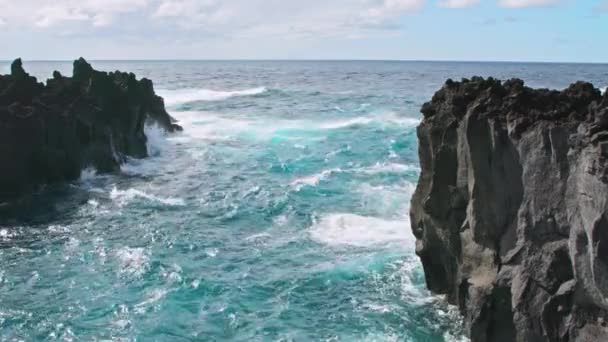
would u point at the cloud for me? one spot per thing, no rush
(389, 8)
(180, 8)
(53, 13)
(207, 20)
(458, 3)
(527, 3)
(210, 19)
(288, 19)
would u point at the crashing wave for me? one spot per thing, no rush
(360, 231)
(157, 139)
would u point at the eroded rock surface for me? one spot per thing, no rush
(49, 133)
(511, 210)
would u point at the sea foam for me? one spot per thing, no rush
(218, 127)
(380, 168)
(88, 174)
(157, 139)
(123, 197)
(181, 96)
(314, 180)
(132, 261)
(362, 231)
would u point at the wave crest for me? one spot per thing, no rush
(181, 96)
(314, 180)
(123, 197)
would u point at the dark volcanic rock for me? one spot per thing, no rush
(511, 210)
(49, 133)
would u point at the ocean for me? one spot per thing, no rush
(279, 214)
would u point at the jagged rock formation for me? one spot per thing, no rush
(511, 210)
(49, 133)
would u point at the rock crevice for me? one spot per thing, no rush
(511, 209)
(50, 132)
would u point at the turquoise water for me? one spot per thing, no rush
(279, 214)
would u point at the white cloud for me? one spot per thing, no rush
(288, 19)
(527, 3)
(389, 8)
(458, 3)
(229, 16)
(178, 8)
(52, 13)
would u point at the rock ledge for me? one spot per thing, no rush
(49, 133)
(511, 210)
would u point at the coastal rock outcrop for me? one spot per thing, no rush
(49, 133)
(511, 209)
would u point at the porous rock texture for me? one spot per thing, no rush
(49, 133)
(511, 209)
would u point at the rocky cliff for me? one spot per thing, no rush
(511, 210)
(49, 133)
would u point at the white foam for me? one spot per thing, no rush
(154, 296)
(212, 126)
(172, 274)
(378, 168)
(388, 168)
(57, 228)
(88, 174)
(132, 261)
(5, 234)
(361, 231)
(157, 139)
(386, 118)
(362, 120)
(180, 96)
(72, 244)
(258, 237)
(387, 200)
(215, 126)
(314, 180)
(212, 252)
(603, 90)
(123, 197)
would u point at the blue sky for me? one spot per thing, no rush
(496, 30)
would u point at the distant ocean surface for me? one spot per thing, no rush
(279, 214)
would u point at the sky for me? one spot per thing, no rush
(470, 30)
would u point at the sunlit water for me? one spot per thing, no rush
(280, 213)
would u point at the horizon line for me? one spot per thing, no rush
(309, 60)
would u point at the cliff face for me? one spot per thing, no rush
(511, 210)
(49, 133)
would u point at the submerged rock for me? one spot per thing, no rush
(511, 210)
(49, 133)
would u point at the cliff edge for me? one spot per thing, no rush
(511, 209)
(49, 133)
